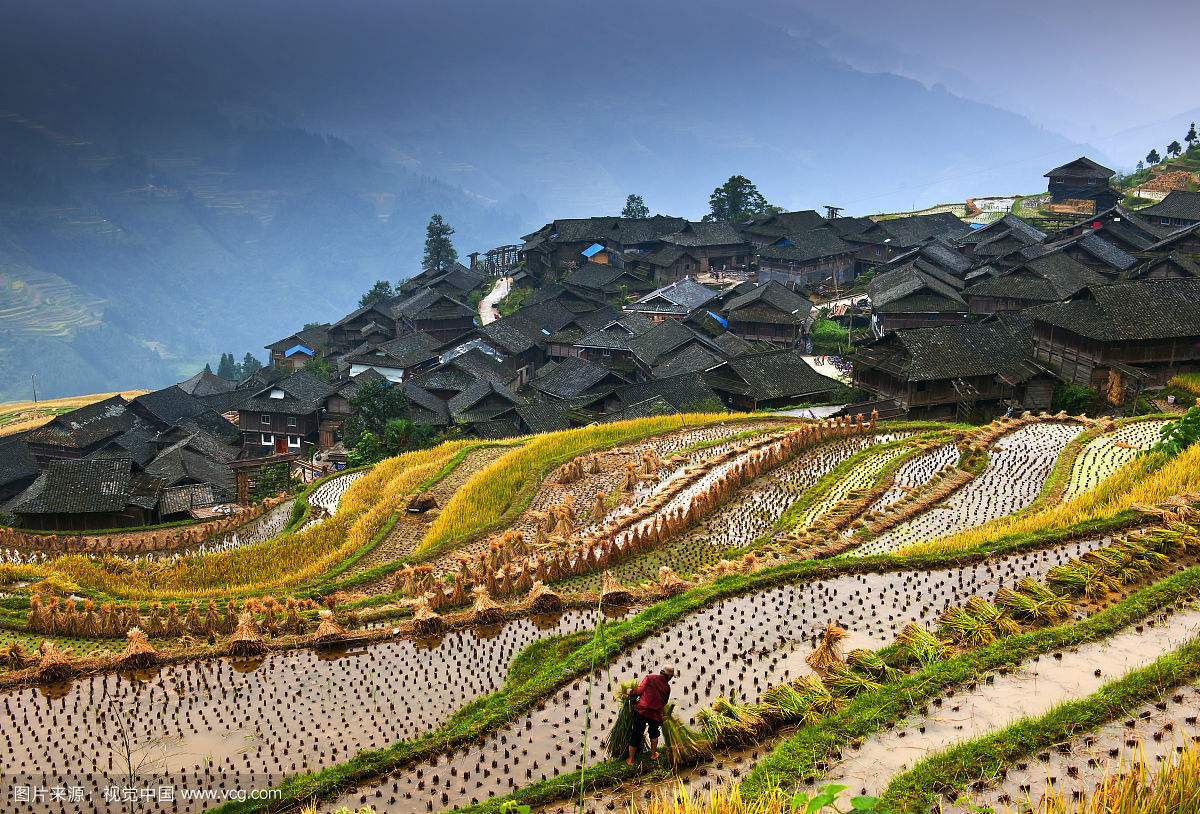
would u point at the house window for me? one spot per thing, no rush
(291, 421)
(264, 419)
(267, 439)
(293, 442)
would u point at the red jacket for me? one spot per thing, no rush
(652, 694)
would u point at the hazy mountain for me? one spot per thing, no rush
(180, 179)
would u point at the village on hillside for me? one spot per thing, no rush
(614, 317)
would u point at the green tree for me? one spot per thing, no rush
(635, 207)
(382, 290)
(737, 199)
(1174, 148)
(440, 253)
(1191, 138)
(373, 406)
(227, 368)
(320, 368)
(1153, 157)
(250, 365)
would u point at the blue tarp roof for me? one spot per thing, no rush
(592, 250)
(294, 349)
(724, 323)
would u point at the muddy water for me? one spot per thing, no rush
(1036, 687)
(741, 645)
(1143, 739)
(752, 512)
(916, 473)
(223, 724)
(1017, 468)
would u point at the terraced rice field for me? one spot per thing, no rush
(1103, 456)
(415, 705)
(740, 645)
(1018, 467)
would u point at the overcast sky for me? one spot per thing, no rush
(1091, 70)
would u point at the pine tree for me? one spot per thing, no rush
(1174, 148)
(1153, 157)
(1191, 138)
(227, 369)
(250, 365)
(738, 199)
(635, 207)
(207, 367)
(440, 253)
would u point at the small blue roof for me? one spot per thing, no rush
(724, 323)
(592, 250)
(294, 349)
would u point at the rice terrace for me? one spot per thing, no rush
(893, 616)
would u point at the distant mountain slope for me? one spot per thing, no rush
(168, 161)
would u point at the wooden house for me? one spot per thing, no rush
(969, 370)
(769, 380)
(284, 417)
(1047, 278)
(79, 495)
(676, 301)
(915, 296)
(1180, 208)
(717, 246)
(1082, 180)
(770, 312)
(431, 312)
(81, 432)
(370, 324)
(397, 359)
(813, 258)
(1147, 328)
(295, 350)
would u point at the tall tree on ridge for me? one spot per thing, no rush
(227, 368)
(1153, 157)
(1174, 148)
(635, 207)
(738, 199)
(1191, 138)
(440, 253)
(250, 365)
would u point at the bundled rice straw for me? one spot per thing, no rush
(426, 621)
(246, 642)
(486, 610)
(328, 631)
(139, 653)
(826, 655)
(53, 664)
(613, 592)
(541, 599)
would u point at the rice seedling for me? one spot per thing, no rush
(618, 736)
(966, 629)
(681, 744)
(921, 645)
(1052, 606)
(847, 683)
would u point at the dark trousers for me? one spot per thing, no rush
(638, 727)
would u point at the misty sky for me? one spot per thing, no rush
(1106, 72)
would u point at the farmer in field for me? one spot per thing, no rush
(649, 699)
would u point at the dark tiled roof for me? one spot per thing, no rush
(681, 298)
(557, 292)
(404, 351)
(527, 327)
(381, 309)
(651, 346)
(315, 337)
(785, 223)
(678, 391)
(464, 406)
(1170, 240)
(303, 394)
(86, 426)
(1180, 263)
(426, 301)
(1051, 277)
(16, 461)
(596, 276)
(664, 257)
(573, 376)
(75, 487)
(424, 407)
(803, 247)
(992, 348)
(1140, 310)
(775, 295)
(1009, 224)
(1179, 203)
(182, 463)
(205, 383)
(623, 231)
(771, 376)
(617, 334)
(168, 406)
(1082, 167)
(702, 233)
(915, 229)
(543, 417)
(892, 290)
(692, 358)
(1092, 244)
(139, 442)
